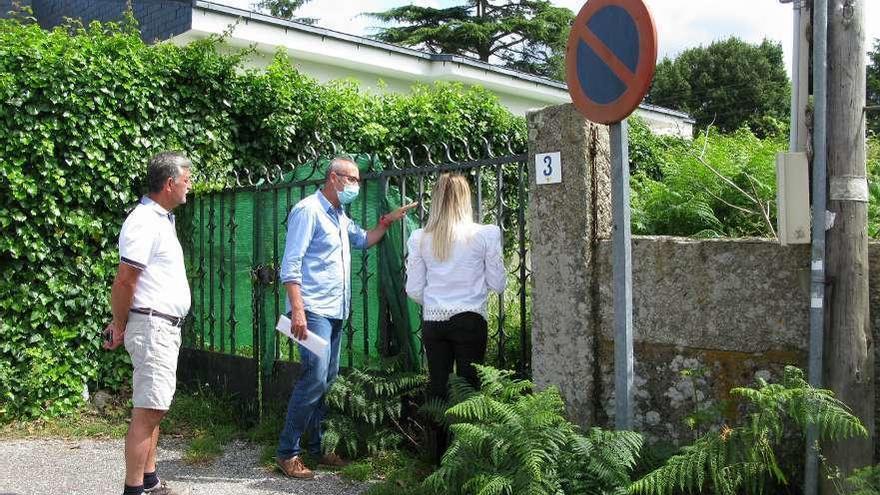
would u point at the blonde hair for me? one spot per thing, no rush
(450, 209)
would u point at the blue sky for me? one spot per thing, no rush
(681, 24)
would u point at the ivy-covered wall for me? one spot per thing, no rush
(81, 111)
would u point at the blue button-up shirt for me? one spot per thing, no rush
(317, 255)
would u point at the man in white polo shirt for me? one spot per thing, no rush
(149, 299)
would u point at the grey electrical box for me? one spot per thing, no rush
(792, 198)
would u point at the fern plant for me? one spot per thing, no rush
(509, 441)
(601, 462)
(742, 459)
(716, 185)
(365, 409)
(865, 481)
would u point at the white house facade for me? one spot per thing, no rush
(327, 55)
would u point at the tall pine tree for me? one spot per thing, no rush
(527, 35)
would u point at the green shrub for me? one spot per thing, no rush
(509, 440)
(677, 187)
(81, 111)
(357, 471)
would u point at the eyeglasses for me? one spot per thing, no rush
(350, 178)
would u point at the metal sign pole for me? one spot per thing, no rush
(609, 65)
(622, 269)
(820, 205)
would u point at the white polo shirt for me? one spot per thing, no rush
(148, 242)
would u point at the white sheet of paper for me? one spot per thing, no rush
(313, 342)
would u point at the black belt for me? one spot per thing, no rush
(177, 321)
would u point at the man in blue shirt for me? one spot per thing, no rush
(316, 272)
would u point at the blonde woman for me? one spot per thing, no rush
(453, 263)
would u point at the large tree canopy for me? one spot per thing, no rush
(728, 84)
(284, 9)
(528, 35)
(874, 88)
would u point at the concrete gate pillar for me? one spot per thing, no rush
(566, 222)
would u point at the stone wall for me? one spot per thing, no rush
(708, 315)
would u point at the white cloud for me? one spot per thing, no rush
(683, 24)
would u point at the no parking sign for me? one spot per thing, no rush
(610, 58)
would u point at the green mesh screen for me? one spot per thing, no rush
(234, 242)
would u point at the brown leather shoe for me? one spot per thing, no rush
(294, 468)
(333, 460)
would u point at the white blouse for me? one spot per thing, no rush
(462, 282)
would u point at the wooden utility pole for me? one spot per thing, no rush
(849, 360)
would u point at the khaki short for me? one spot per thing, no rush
(153, 345)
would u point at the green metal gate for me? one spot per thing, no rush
(233, 243)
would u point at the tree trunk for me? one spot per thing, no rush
(484, 51)
(849, 360)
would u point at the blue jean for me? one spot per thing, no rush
(306, 409)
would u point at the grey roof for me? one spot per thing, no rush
(667, 111)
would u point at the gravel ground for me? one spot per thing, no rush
(93, 467)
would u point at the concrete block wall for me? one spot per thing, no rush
(158, 19)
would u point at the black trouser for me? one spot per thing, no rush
(460, 340)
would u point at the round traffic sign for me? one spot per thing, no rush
(610, 58)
